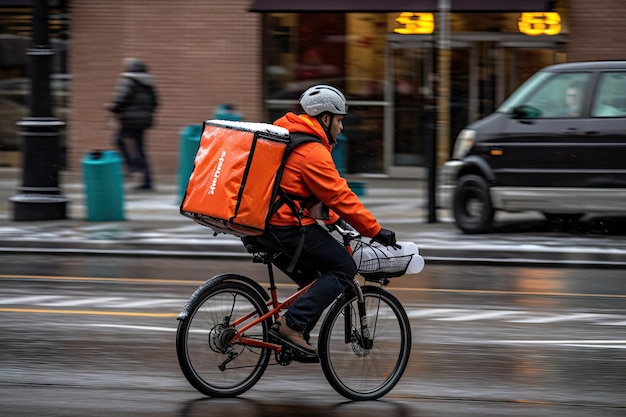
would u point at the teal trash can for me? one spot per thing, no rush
(340, 154)
(358, 187)
(104, 187)
(227, 112)
(189, 143)
(340, 157)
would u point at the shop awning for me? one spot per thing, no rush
(383, 6)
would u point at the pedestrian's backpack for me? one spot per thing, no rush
(234, 187)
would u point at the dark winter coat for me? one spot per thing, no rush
(135, 99)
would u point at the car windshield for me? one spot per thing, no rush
(519, 96)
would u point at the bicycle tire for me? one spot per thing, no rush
(200, 356)
(353, 371)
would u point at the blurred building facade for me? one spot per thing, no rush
(204, 53)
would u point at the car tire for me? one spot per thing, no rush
(473, 210)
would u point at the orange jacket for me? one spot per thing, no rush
(310, 169)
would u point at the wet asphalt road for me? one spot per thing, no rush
(95, 336)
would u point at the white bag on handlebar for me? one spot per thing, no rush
(369, 252)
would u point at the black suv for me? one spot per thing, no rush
(556, 145)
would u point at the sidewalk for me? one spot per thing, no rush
(153, 226)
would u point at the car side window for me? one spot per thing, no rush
(610, 100)
(561, 96)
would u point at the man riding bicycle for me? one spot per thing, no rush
(311, 181)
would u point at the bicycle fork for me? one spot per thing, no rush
(363, 339)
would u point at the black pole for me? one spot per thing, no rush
(39, 197)
(431, 151)
(441, 137)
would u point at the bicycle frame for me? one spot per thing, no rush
(275, 307)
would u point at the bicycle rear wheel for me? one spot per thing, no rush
(352, 369)
(210, 362)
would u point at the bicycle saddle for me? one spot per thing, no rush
(260, 245)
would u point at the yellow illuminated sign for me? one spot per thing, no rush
(415, 23)
(535, 24)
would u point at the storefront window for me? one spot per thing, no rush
(391, 79)
(346, 51)
(343, 50)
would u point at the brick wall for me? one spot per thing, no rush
(206, 52)
(201, 52)
(597, 30)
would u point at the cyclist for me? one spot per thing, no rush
(312, 181)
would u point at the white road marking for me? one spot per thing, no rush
(413, 311)
(613, 344)
(560, 317)
(34, 299)
(433, 312)
(125, 326)
(73, 302)
(480, 316)
(152, 303)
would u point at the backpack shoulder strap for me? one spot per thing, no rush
(295, 140)
(298, 138)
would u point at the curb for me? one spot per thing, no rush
(224, 249)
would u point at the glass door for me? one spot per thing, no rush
(413, 97)
(464, 89)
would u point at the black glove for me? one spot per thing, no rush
(386, 237)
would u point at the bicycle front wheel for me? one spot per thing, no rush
(209, 360)
(356, 370)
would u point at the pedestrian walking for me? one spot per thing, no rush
(134, 103)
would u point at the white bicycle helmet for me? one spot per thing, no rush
(321, 99)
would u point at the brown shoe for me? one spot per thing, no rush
(291, 337)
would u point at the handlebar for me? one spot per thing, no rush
(349, 233)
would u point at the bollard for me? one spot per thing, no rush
(104, 188)
(189, 143)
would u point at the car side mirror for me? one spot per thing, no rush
(526, 112)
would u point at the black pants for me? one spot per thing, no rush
(134, 156)
(322, 258)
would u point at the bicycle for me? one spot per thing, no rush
(224, 346)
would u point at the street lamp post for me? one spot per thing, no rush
(441, 137)
(39, 196)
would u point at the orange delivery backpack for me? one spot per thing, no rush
(234, 186)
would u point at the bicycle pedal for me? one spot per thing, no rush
(287, 355)
(305, 359)
(298, 351)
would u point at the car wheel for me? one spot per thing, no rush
(472, 206)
